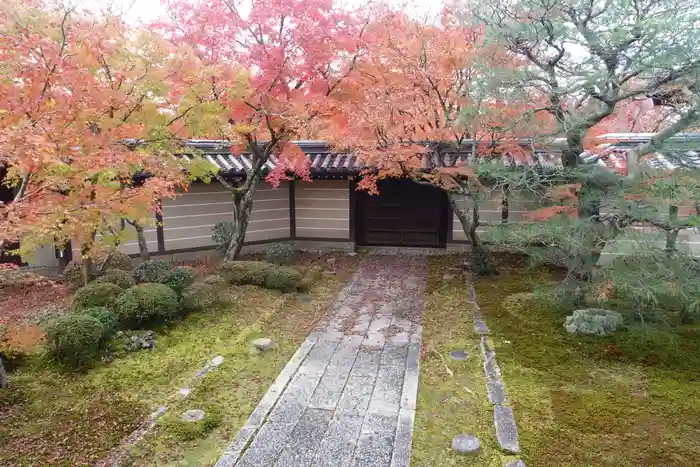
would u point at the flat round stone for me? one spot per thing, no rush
(459, 355)
(193, 415)
(466, 444)
(216, 361)
(262, 343)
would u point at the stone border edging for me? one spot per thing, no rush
(503, 418)
(117, 455)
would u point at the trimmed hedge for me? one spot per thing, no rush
(152, 271)
(96, 294)
(179, 278)
(109, 320)
(262, 274)
(118, 277)
(203, 294)
(75, 339)
(146, 302)
(72, 273)
(280, 253)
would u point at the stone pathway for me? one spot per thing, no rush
(348, 395)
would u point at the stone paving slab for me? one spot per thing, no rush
(347, 397)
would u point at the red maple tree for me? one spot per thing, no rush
(75, 87)
(422, 94)
(275, 65)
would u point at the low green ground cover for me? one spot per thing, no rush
(628, 399)
(50, 416)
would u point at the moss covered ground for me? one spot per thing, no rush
(630, 399)
(451, 395)
(49, 417)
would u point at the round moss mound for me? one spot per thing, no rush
(96, 294)
(146, 302)
(75, 339)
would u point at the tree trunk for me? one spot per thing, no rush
(672, 235)
(3, 376)
(86, 263)
(141, 237)
(468, 220)
(505, 206)
(242, 206)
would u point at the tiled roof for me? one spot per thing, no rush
(321, 159)
(680, 151)
(325, 162)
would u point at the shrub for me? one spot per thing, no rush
(179, 278)
(109, 320)
(216, 281)
(118, 277)
(203, 294)
(279, 253)
(651, 286)
(481, 262)
(152, 271)
(283, 278)
(96, 294)
(117, 260)
(198, 296)
(245, 272)
(75, 339)
(73, 275)
(596, 321)
(145, 302)
(222, 233)
(261, 274)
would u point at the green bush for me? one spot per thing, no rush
(96, 294)
(145, 302)
(262, 274)
(245, 272)
(279, 253)
(75, 339)
(283, 278)
(198, 296)
(73, 275)
(109, 320)
(179, 278)
(481, 262)
(152, 271)
(222, 233)
(216, 281)
(651, 286)
(117, 260)
(118, 277)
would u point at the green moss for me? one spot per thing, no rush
(452, 394)
(52, 418)
(621, 400)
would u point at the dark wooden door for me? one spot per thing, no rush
(403, 214)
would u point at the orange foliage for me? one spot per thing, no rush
(419, 83)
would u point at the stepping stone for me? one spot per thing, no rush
(506, 430)
(518, 463)
(262, 344)
(193, 415)
(216, 361)
(458, 355)
(466, 444)
(184, 392)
